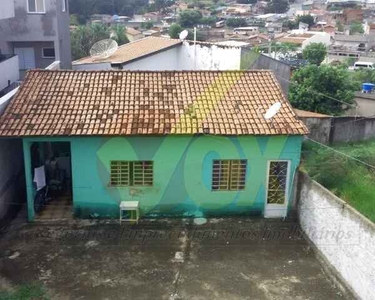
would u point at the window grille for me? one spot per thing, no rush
(131, 173)
(228, 175)
(142, 173)
(277, 180)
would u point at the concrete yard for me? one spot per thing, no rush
(165, 259)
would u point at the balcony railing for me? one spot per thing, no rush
(9, 70)
(4, 57)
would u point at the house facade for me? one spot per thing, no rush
(38, 33)
(182, 143)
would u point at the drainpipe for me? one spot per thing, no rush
(195, 48)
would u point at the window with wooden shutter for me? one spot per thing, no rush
(229, 175)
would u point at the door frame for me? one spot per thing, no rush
(23, 56)
(277, 210)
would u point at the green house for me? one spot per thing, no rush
(181, 143)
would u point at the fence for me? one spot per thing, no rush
(340, 129)
(343, 237)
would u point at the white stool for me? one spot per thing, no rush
(129, 206)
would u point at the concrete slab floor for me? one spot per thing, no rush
(166, 259)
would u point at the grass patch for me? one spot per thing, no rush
(346, 178)
(25, 292)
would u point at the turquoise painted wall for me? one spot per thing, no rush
(182, 173)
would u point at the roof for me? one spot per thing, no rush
(350, 38)
(134, 50)
(291, 40)
(309, 114)
(82, 103)
(132, 31)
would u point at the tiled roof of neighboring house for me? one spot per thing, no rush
(132, 31)
(81, 103)
(295, 38)
(134, 50)
(291, 40)
(309, 114)
(350, 38)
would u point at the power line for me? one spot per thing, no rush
(343, 154)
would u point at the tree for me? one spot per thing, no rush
(314, 88)
(356, 27)
(277, 6)
(290, 24)
(236, 22)
(285, 51)
(147, 25)
(189, 18)
(119, 34)
(175, 30)
(84, 37)
(308, 19)
(315, 53)
(340, 27)
(74, 20)
(208, 20)
(86, 8)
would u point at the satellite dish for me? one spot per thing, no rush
(272, 111)
(103, 49)
(183, 35)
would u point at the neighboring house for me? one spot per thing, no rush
(319, 125)
(281, 69)
(371, 29)
(133, 34)
(101, 19)
(9, 71)
(12, 192)
(151, 32)
(307, 5)
(7, 9)
(357, 42)
(248, 30)
(352, 15)
(182, 143)
(303, 39)
(274, 27)
(8, 62)
(347, 16)
(238, 10)
(365, 105)
(157, 53)
(330, 29)
(258, 40)
(38, 33)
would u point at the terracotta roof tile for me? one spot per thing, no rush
(66, 103)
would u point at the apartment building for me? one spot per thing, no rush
(37, 31)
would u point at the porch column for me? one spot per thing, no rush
(29, 180)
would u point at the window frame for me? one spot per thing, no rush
(48, 57)
(230, 178)
(131, 174)
(286, 192)
(64, 5)
(36, 12)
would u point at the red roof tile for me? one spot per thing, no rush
(80, 103)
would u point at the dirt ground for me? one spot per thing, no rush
(165, 259)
